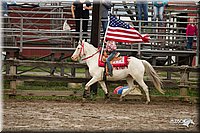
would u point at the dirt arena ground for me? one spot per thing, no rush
(41, 115)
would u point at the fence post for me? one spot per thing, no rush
(183, 86)
(62, 69)
(53, 69)
(198, 37)
(139, 45)
(81, 29)
(87, 74)
(73, 72)
(7, 65)
(13, 83)
(95, 32)
(21, 34)
(169, 63)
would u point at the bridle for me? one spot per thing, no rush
(82, 50)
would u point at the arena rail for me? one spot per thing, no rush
(22, 32)
(184, 81)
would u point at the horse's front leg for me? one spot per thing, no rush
(87, 86)
(104, 87)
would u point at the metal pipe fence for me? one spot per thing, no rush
(20, 29)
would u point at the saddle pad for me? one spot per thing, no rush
(120, 63)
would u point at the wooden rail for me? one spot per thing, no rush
(13, 76)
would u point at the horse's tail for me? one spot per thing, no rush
(153, 75)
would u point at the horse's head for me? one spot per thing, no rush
(79, 52)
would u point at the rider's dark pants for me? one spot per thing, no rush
(110, 57)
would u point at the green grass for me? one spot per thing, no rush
(168, 92)
(48, 98)
(193, 93)
(41, 85)
(66, 70)
(6, 84)
(46, 84)
(51, 86)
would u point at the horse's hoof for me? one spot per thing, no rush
(107, 96)
(86, 94)
(83, 99)
(121, 99)
(107, 100)
(147, 102)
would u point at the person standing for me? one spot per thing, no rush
(80, 9)
(142, 6)
(4, 8)
(158, 9)
(191, 31)
(106, 6)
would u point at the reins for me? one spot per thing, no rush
(91, 55)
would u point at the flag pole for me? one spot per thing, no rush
(105, 36)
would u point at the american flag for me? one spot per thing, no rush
(120, 31)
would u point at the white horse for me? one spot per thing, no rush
(135, 71)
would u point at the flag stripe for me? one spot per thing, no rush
(123, 41)
(120, 31)
(125, 37)
(127, 32)
(123, 34)
(120, 39)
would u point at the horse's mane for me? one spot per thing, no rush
(91, 46)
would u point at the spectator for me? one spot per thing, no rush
(80, 9)
(111, 49)
(4, 8)
(191, 30)
(106, 6)
(142, 6)
(158, 9)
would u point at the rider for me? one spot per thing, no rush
(111, 49)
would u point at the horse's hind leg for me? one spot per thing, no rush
(131, 86)
(145, 88)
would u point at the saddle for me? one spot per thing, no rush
(117, 61)
(116, 58)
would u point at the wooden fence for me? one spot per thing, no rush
(185, 81)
